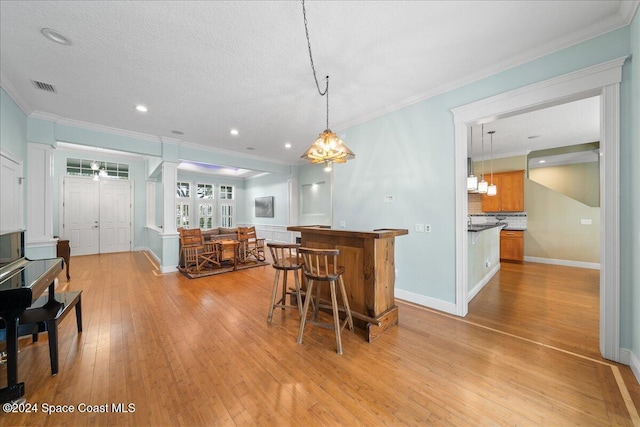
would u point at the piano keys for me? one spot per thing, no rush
(22, 281)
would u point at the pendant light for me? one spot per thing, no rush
(472, 180)
(492, 190)
(483, 185)
(328, 147)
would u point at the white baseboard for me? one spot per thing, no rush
(483, 282)
(168, 269)
(565, 262)
(429, 302)
(629, 358)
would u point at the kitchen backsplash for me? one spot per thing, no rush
(475, 203)
(515, 221)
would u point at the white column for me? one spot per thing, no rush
(151, 204)
(169, 182)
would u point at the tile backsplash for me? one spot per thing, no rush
(515, 220)
(475, 203)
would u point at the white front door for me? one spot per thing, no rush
(115, 216)
(81, 215)
(11, 193)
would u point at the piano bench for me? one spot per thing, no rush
(46, 315)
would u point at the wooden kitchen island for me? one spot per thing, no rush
(369, 277)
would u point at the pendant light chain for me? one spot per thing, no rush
(313, 68)
(482, 151)
(492, 132)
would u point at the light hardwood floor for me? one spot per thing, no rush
(200, 352)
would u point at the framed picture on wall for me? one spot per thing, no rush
(264, 207)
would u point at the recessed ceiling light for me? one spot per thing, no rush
(141, 108)
(55, 36)
(287, 145)
(234, 132)
(177, 132)
(542, 161)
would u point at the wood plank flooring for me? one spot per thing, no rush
(200, 352)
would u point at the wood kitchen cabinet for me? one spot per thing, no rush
(512, 246)
(510, 192)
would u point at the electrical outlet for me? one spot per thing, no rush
(585, 221)
(343, 224)
(427, 228)
(419, 228)
(388, 199)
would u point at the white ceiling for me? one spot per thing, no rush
(203, 68)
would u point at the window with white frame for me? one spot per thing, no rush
(226, 192)
(227, 206)
(183, 204)
(84, 167)
(226, 215)
(205, 201)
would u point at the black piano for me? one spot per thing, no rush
(22, 281)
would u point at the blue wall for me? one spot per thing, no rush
(268, 185)
(13, 132)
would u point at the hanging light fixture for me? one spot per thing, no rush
(328, 148)
(472, 180)
(492, 190)
(95, 165)
(483, 185)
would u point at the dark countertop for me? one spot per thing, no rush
(474, 228)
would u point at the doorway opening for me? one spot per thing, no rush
(604, 80)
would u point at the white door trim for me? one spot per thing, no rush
(604, 80)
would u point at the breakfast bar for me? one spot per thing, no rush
(369, 261)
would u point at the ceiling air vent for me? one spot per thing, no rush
(44, 86)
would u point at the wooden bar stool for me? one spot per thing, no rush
(285, 258)
(321, 265)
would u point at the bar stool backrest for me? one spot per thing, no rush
(321, 264)
(285, 256)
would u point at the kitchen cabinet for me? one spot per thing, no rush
(510, 192)
(512, 246)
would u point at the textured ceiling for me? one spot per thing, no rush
(205, 67)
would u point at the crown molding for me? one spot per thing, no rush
(79, 148)
(216, 150)
(628, 10)
(93, 126)
(11, 90)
